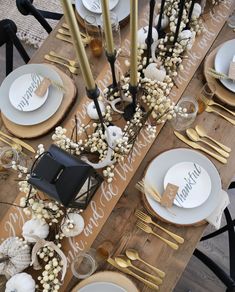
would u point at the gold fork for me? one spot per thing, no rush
(148, 229)
(73, 70)
(147, 219)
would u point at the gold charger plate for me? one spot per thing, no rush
(223, 94)
(108, 276)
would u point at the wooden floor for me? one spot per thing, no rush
(196, 277)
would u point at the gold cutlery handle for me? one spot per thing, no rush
(209, 110)
(129, 272)
(217, 149)
(5, 141)
(227, 149)
(216, 156)
(224, 108)
(153, 278)
(52, 53)
(176, 237)
(146, 282)
(71, 62)
(64, 38)
(160, 272)
(52, 59)
(64, 32)
(168, 242)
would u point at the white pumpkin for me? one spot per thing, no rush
(187, 37)
(17, 256)
(35, 228)
(153, 73)
(164, 22)
(92, 112)
(197, 10)
(78, 225)
(143, 33)
(115, 133)
(21, 282)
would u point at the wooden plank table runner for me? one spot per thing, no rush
(106, 198)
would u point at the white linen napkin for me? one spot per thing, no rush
(216, 216)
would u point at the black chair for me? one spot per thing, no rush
(227, 279)
(8, 37)
(26, 7)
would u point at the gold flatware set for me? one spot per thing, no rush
(125, 264)
(197, 135)
(57, 60)
(131, 273)
(147, 219)
(72, 63)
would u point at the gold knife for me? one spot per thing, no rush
(197, 146)
(18, 141)
(129, 272)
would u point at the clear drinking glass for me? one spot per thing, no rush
(93, 31)
(7, 156)
(204, 96)
(231, 20)
(85, 264)
(115, 30)
(183, 121)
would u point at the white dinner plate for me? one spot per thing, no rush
(95, 5)
(102, 287)
(22, 93)
(222, 61)
(43, 113)
(122, 10)
(155, 176)
(193, 181)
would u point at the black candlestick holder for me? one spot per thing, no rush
(94, 94)
(181, 9)
(160, 31)
(149, 39)
(130, 109)
(190, 14)
(112, 59)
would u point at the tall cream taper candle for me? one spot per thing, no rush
(107, 27)
(134, 28)
(78, 45)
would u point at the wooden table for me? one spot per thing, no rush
(119, 228)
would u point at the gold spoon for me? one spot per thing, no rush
(202, 133)
(133, 255)
(54, 60)
(193, 135)
(212, 102)
(71, 62)
(129, 272)
(124, 262)
(212, 110)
